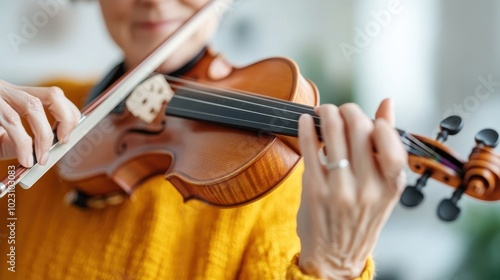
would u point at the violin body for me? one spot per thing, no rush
(220, 165)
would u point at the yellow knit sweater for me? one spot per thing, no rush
(155, 235)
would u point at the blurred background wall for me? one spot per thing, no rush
(429, 56)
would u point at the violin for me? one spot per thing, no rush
(227, 142)
(233, 160)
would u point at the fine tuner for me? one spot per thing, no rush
(479, 177)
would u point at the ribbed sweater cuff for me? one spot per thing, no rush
(294, 272)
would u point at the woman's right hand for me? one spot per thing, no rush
(18, 102)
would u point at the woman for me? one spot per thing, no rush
(325, 228)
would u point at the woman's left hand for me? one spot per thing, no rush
(343, 209)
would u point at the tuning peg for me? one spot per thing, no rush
(487, 137)
(412, 195)
(449, 126)
(448, 210)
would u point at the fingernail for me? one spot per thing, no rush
(65, 139)
(45, 158)
(30, 161)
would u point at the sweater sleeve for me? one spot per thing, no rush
(294, 273)
(271, 251)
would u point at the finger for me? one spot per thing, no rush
(16, 141)
(62, 109)
(219, 68)
(7, 147)
(31, 108)
(359, 129)
(392, 157)
(308, 141)
(64, 128)
(386, 111)
(332, 132)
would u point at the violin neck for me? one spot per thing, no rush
(243, 111)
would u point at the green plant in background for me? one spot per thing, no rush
(481, 260)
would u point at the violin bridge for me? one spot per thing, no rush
(147, 99)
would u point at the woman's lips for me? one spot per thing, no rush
(157, 25)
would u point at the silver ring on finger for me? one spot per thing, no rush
(341, 164)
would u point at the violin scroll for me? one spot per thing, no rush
(429, 166)
(482, 171)
(481, 177)
(478, 177)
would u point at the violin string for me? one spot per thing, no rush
(410, 138)
(277, 127)
(416, 146)
(420, 147)
(411, 146)
(307, 108)
(418, 151)
(430, 153)
(241, 110)
(266, 111)
(433, 154)
(412, 150)
(242, 92)
(423, 146)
